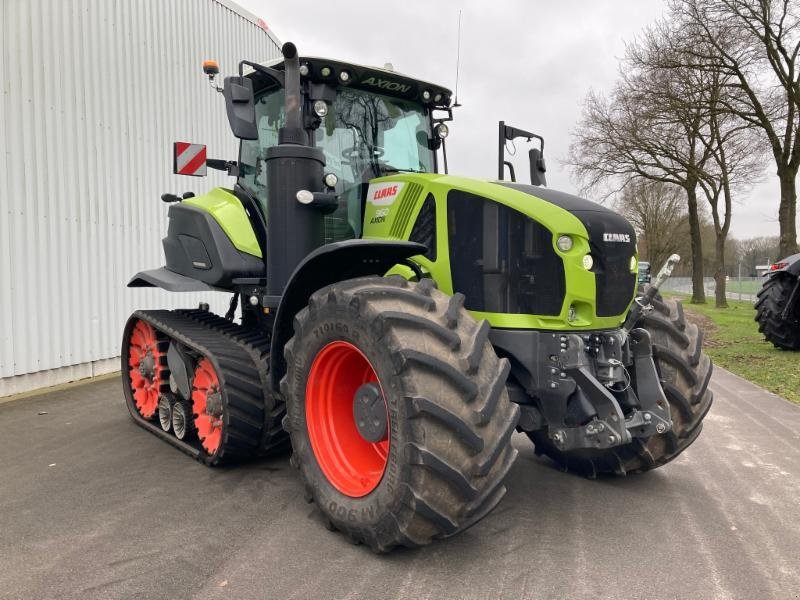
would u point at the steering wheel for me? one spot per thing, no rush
(362, 151)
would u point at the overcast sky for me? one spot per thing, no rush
(528, 62)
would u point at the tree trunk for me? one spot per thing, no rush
(720, 295)
(698, 292)
(787, 212)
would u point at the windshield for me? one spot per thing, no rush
(365, 135)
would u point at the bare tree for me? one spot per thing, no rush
(706, 146)
(647, 129)
(657, 212)
(755, 45)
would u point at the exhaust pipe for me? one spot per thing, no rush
(292, 132)
(294, 229)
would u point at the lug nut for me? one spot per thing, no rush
(661, 428)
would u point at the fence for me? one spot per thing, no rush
(737, 288)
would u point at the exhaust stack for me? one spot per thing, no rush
(294, 229)
(292, 132)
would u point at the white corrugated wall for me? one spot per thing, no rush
(94, 93)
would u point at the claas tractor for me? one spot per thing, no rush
(395, 325)
(778, 304)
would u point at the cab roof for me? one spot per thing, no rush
(370, 79)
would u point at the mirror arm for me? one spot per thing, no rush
(273, 74)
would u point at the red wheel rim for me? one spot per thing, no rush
(208, 425)
(353, 465)
(144, 368)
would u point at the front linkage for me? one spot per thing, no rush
(596, 390)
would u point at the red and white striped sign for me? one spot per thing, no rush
(189, 159)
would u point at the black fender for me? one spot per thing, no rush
(326, 265)
(171, 281)
(790, 265)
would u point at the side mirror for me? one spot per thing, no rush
(538, 167)
(241, 107)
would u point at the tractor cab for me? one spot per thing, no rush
(368, 122)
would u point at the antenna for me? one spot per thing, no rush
(458, 57)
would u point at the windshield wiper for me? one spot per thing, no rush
(391, 169)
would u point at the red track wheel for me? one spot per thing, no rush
(144, 368)
(351, 449)
(207, 406)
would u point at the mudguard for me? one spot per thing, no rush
(170, 281)
(790, 264)
(326, 265)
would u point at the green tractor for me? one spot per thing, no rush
(398, 324)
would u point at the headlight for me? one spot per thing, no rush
(442, 130)
(564, 243)
(634, 263)
(588, 262)
(320, 108)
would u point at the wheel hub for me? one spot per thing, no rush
(369, 411)
(147, 366)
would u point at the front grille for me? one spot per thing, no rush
(615, 286)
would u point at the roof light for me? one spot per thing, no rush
(304, 70)
(437, 98)
(344, 76)
(426, 95)
(325, 71)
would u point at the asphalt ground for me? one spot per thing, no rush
(92, 506)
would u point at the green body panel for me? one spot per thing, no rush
(228, 211)
(393, 218)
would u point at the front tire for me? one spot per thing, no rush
(684, 371)
(772, 300)
(440, 465)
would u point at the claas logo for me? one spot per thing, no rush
(384, 192)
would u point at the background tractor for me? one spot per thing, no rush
(778, 304)
(399, 323)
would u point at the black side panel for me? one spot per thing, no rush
(196, 247)
(502, 260)
(330, 263)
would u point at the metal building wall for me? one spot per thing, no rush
(94, 92)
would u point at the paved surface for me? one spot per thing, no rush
(92, 506)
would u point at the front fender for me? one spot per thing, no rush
(326, 265)
(790, 264)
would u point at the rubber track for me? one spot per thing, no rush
(235, 363)
(258, 346)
